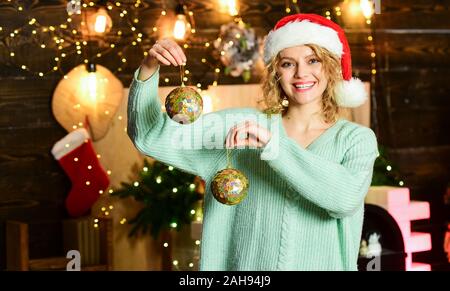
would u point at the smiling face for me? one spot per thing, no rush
(303, 79)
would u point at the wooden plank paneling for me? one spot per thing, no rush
(417, 128)
(427, 89)
(416, 49)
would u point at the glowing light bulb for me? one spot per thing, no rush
(229, 6)
(366, 8)
(100, 24)
(180, 28)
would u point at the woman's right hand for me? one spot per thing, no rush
(167, 52)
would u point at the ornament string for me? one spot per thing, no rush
(182, 75)
(229, 158)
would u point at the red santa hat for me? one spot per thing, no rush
(302, 29)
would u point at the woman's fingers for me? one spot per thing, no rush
(182, 55)
(165, 53)
(168, 52)
(159, 57)
(175, 54)
(175, 50)
(252, 129)
(247, 134)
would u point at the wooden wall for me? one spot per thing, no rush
(412, 41)
(410, 107)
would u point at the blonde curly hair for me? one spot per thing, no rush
(273, 93)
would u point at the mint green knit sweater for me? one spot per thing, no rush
(304, 209)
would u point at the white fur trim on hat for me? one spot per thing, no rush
(294, 33)
(351, 93)
(70, 142)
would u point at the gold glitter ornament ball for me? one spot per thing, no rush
(229, 186)
(184, 105)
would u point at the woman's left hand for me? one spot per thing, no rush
(249, 134)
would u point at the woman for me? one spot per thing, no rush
(309, 170)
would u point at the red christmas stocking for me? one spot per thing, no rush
(77, 157)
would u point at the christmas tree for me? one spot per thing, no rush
(168, 196)
(384, 173)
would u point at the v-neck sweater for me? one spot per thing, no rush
(305, 207)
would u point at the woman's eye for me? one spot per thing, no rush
(313, 61)
(285, 65)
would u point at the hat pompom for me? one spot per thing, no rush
(351, 93)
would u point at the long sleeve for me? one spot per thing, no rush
(156, 135)
(339, 188)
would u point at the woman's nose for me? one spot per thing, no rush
(301, 71)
